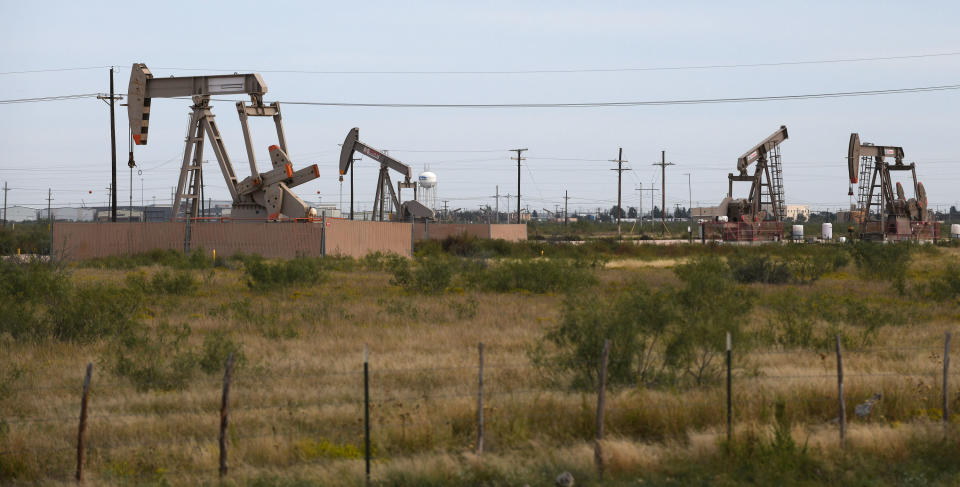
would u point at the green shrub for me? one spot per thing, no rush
(747, 268)
(635, 319)
(156, 359)
(888, 262)
(945, 284)
(197, 259)
(712, 305)
(534, 275)
(93, 311)
(181, 282)
(266, 275)
(217, 346)
(428, 274)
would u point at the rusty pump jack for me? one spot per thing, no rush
(260, 195)
(900, 218)
(408, 210)
(767, 175)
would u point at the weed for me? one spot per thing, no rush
(265, 275)
(156, 359)
(217, 346)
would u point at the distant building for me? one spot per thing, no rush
(20, 214)
(795, 211)
(70, 214)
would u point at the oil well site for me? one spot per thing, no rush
(485, 245)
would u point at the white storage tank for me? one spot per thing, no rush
(826, 231)
(797, 232)
(955, 230)
(842, 239)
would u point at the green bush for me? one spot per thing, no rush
(39, 302)
(747, 268)
(945, 284)
(428, 274)
(888, 262)
(712, 305)
(156, 359)
(197, 259)
(217, 346)
(534, 275)
(635, 319)
(181, 282)
(265, 275)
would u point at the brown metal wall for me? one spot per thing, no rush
(359, 238)
(512, 232)
(271, 240)
(73, 241)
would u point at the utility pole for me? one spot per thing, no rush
(445, 214)
(508, 206)
(518, 159)
(690, 198)
(663, 187)
(352, 160)
(50, 219)
(496, 203)
(5, 189)
(566, 200)
(652, 190)
(111, 100)
(619, 160)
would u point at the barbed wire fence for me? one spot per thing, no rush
(479, 383)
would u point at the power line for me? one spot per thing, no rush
(52, 70)
(48, 98)
(585, 70)
(691, 101)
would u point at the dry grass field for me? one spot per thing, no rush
(296, 397)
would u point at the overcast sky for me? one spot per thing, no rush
(64, 145)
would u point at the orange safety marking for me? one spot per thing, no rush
(289, 171)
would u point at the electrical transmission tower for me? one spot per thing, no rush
(663, 188)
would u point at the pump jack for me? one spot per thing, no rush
(768, 175)
(258, 196)
(899, 218)
(408, 210)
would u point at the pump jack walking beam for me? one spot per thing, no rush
(261, 195)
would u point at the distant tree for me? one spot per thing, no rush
(656, 212)
(632, 212)
(534, 214)
(614, 210)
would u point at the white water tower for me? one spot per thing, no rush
(427, 193)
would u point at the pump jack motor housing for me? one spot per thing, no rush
(259, 196)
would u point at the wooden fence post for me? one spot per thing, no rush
(480, 400)
(81, 446)
(843, 410)
(601, 402)
(729, 392)
(946, 374)
(366, 414)
(225, 415)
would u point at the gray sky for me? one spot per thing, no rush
(65, 144)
